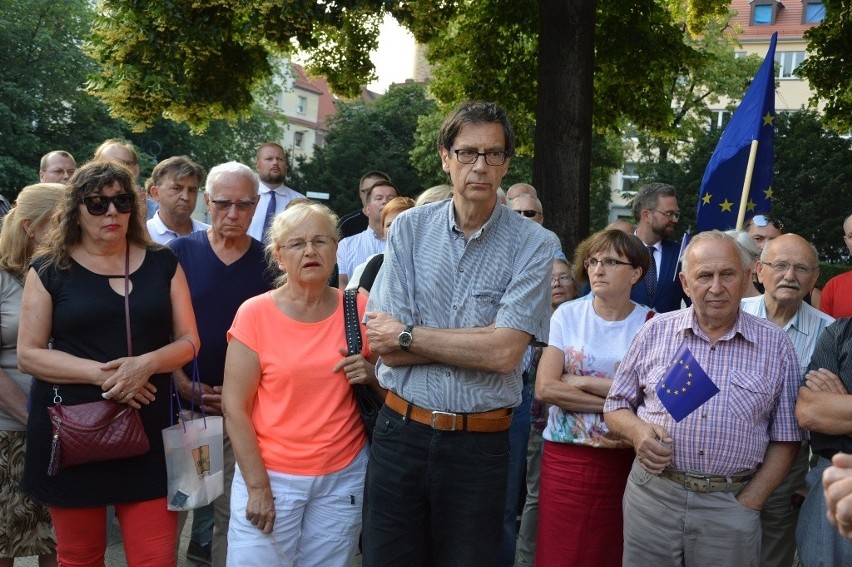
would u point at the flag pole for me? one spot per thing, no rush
(752, 157)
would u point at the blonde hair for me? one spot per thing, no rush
(287, 220)
(432, 194)
(35, 203)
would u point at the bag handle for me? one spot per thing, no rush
(354, 342)
(127, 298)
(175, 395)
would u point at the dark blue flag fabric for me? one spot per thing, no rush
(686, 386)
(722, 185)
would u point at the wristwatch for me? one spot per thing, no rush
(405, 337)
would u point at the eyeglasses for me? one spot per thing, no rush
(782, 267)
(493, 157)
(529, 213)
(69, 172)
(562, 280)
(98, 205)
(299, 244)
(673, 215)
(225, 205)
(764, 220)
(608, 263)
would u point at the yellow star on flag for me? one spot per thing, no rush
(726, 206)
(750, 205)
(706, 198)
(768, 192)
(767, 120)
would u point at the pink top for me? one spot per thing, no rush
(304, 414)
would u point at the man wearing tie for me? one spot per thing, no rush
(271, 167)
(656, 211)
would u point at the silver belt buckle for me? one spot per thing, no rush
(700, 482)
(435, 415)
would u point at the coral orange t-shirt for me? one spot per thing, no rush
(304, 414)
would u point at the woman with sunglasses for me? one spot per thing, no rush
(73, 339)
(584, 468)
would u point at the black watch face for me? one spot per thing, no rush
(405, 339)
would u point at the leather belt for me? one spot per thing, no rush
(704, 483)
(482, 422)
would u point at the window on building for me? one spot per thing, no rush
(301, 104)
(719, 119)
(298, 139)
(813, 12)
(764, 12)
(788, 62)
(629, 178)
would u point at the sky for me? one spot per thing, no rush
(394, 60)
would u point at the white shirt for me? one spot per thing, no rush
(161, 234)
(283, 195)
(356, 249)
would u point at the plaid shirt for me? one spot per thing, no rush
(755, 367)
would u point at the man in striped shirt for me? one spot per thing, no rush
(463, 290)
(788, 270)
(697, 486)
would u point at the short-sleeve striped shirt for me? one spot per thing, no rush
(755, 367)
(433, 277)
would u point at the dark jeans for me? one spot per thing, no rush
(433, 497)
(519, 437)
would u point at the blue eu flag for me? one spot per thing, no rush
(686, 386)
(722, 185)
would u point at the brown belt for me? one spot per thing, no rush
(703, 483)
(483, 422)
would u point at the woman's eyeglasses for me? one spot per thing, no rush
(98, 205)
(607, 263)
(529, 213)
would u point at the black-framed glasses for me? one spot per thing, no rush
(766, 220)
(98, 205)
(673, 215)
(607, 263)
(492, 157)
(225, 205)
(529, 213)
(782, 267)
(564, 279)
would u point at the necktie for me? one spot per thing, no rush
(651, 276)
(267, 219)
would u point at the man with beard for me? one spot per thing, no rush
(656, 211)
(271, 166)
(788, 269)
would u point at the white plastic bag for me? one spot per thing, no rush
(194, 462)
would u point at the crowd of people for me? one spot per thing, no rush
(514, 378)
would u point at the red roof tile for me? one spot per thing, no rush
(788, 22)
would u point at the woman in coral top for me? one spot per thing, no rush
(290, 411)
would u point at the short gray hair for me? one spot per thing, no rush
(230, 167)
(718, 236)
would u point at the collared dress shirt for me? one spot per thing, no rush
(161, 234)
(432, 276)
(354, 250)
(283, 195)
(757, 372)
(803, 328)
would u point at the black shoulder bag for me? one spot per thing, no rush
(369, 402)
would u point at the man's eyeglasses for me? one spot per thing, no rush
(782, 267)
(764, 220)
(68, 172)
(529, 213)
(608, 263)
(562, 280)
(673, 215)
(225, 205)
(298, 244)
(493, 157)
(98, 205)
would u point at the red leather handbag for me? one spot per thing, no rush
(96, 431)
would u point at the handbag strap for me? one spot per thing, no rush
(174, 396)
(350, 318)
(127, 298)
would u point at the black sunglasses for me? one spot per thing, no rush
(99, 204)
(529, 213)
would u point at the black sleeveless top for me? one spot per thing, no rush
(89, 322)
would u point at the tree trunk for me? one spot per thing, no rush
(563, 134)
